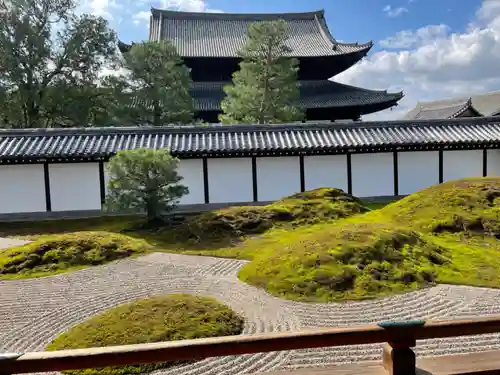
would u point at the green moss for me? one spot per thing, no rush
(230, 224)
(350, 259)
(58, 253)
(468, 206)
(168, 318)
(447, 233)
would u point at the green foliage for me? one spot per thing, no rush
(468, 206)
(144, 180)
(63, 252)
(447, 233)
(265, 88)
(157, 86)
(232, 223)
(350, 259)
(168, 318)
(44, 43)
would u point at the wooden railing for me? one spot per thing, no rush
(398, 357)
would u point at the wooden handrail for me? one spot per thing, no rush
(402, 336)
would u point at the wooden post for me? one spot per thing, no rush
(398, 357)
(4, 357)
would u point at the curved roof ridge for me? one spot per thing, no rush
(225, 15)
(327, 35)
(366, 90)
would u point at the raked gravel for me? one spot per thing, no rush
(35, 311)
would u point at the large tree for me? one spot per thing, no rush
(43, 44)
(157, 85)
(144, 180)
(265, 87)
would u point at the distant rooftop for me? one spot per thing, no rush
(224, 34)
(480, 105)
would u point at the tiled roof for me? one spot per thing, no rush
(451, 111)
(313, 94)
(225, 34)
(485, 105)
(93, 143)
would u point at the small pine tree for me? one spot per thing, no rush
(144, 180)
(158, 85)
(265, 88)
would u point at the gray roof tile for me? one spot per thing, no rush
(94, 143)
(313, 94)
(485, 104)
(224, 34)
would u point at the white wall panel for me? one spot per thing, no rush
(493, 163)
(230, 180)
(192, 172)
(417, 170)
(325, 171)
(74, 186)
(277, 177)
(462, 163)
(22, 188)
(372, 174)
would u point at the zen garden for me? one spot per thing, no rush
(144, 272)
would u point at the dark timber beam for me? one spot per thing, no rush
(349, 173)
(46, 178)
(255, 187)
(205, 180)
(102, 183)
(302, 174)
(396, 173)
(485, 162)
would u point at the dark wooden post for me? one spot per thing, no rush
(398, 356)
(4, 357)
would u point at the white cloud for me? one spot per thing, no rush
(394, 12)
(434, 63)
(188, 6)
(141, 17)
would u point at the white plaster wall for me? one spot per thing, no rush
(462, 163)
(74, 187)
(493, 162)
(22, 188)
(192, 172)
(277, 177)
(372, 174)
(230, 180)
(417, 170)
(325, 171)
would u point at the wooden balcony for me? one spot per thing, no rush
(397, 357)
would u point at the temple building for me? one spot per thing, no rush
(485, 105)
(209, 45)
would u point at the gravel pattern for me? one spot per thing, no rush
(34, 311)
(5, 243)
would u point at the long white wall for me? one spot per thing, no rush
(230, 180)
(277, 177)
(76, 186)
(22, 188)
(325, 171)
(372, 174)
(417, 170)
(493, 162)
(462, 164)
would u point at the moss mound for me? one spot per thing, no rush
(57, 253)
(351, 259)
(470, 206)
(300, 209)
(172, 317)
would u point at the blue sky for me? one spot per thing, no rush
(430, 49)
